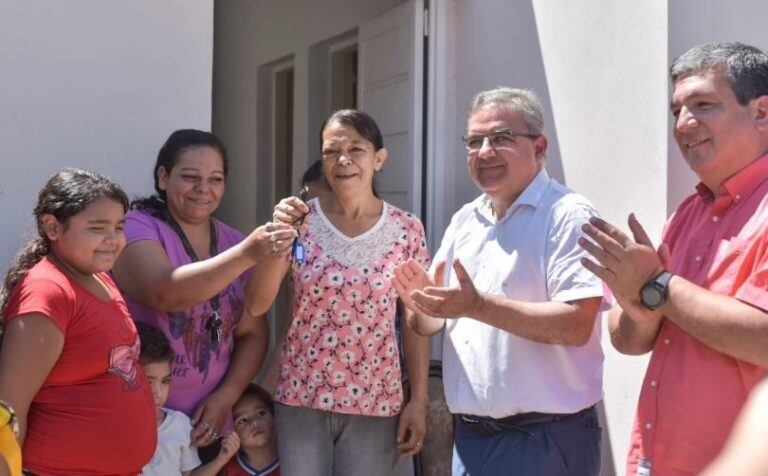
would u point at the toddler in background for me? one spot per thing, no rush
(174, 454)
(254, 424)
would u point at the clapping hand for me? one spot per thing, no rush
(627, 263)
(409, 277)
(430, 296)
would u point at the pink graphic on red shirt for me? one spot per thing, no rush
(122, 362)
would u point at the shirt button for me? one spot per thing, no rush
(715, 218)
(653, 383)
(697, 259)
(647, 426)
(666, 341)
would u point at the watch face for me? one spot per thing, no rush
(651, 297)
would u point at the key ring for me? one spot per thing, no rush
(297, 248)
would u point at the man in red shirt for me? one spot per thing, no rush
(699, 301)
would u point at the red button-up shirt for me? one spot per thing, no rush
(692, 393)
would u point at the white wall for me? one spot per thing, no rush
(605, 66)
(97, 85)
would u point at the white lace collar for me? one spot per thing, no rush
(361, 250)
(361, 236)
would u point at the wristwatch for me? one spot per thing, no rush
(654, 292)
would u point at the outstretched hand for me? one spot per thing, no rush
(290, 211)
(438, 300)
(627, 263)
(409, 277)
(269, 241)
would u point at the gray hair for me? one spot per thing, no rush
(745, 67)
(523, 101)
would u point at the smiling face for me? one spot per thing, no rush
(504, 172)
(195, 185)
(254, 423)
(716, 135)
(349, 160)
(90, 241)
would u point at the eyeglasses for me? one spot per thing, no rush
(499, 139)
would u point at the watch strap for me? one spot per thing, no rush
(663, 280)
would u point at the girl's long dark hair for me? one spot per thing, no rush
(65, 195)
(177, 143)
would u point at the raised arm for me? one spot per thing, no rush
(724, 323)
(265, 281)
(264, 284)
(32, 344)
(569, 323)
(145, 273)
(547, 322)
(229, 446)
(633, 332)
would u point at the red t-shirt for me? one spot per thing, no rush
(94, 414)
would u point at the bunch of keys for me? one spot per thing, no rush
(297, 248)
(214, 325)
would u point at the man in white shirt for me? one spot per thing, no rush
(522, 363)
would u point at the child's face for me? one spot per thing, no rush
(253, 422)
(159, 376)
(91, 240)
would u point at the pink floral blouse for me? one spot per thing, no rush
(340, 353)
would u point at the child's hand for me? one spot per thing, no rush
(229, 446)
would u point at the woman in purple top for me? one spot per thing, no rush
(185, 272)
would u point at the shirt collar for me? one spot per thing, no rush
(531, 196)
(737, 185)
(255, 471)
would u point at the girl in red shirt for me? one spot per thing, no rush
(69, 357)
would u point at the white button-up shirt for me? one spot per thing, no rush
(531, 254)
